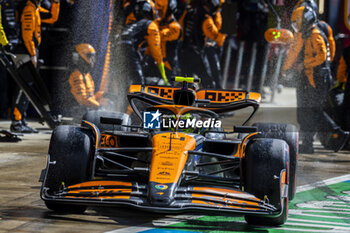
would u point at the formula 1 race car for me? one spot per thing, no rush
(180, 160)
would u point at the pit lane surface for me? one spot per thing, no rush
(319, 207)
(21, 209)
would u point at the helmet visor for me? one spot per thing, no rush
(91, 58)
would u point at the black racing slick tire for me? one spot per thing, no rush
(264, 161)
(289, 133)
(70, 153)
(94, 116)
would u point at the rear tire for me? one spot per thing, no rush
(264, 160)
(94, 117)
(289, 133)
(71, 148)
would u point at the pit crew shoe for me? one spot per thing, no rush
(32, 130)
(19, 127)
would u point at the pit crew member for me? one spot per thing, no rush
(80, 80)
(33, 15)
(311, 50)
(134, 35)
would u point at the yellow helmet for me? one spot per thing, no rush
(87, 52)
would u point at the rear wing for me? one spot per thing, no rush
(164, 94)
(218, 101)
(226, 96)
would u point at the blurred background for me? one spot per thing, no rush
(247, 61)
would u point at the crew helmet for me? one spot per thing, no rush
(310, 3)
(303, 18)
(86, 52)
(143, 9)
(166, 8)
(211, 5)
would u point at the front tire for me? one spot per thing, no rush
(289, 133)
(71, 149)
(265, 159)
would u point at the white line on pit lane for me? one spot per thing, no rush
(303, 188)
(322, 210)
(132, 229)
(313, 225)
(315, 231)
(302, 212)
(323, 183)
(315, 221)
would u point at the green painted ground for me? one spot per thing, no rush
(324, 209)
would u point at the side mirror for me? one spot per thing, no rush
(278, 36)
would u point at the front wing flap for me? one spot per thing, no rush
(210, 199)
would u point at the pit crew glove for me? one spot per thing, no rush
(338, 85)
(162, 72)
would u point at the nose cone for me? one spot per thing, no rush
(160, 194)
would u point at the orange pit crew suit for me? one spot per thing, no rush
(128, 8)
(170, 32)
(322, 25)
(144, 30)
(327, 30)
(33, 15)
(310, 50)
(213, 50)
(81, 82)
(83, 89)
(211, 28)
(199, 23)
(343, 80)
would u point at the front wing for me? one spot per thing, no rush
(187, 199)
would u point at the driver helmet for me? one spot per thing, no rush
(185, 117)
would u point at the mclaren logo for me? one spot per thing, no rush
(164, 173)
(167, 163)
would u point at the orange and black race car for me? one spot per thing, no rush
(180, 159)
